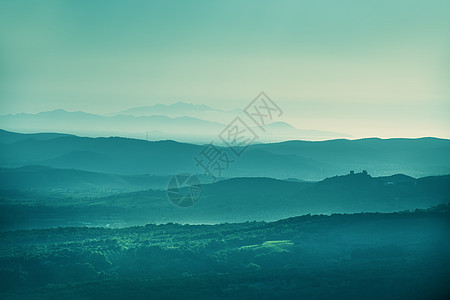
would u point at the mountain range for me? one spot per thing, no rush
(180, 121)
(231, 200)
(174, 110)
(305, 160)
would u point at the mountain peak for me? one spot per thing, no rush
(167, 109)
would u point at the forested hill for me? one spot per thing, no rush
(360, 256)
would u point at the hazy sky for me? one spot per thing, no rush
(367, 68)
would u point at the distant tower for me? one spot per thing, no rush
(352, 172)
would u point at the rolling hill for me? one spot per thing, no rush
(71, 180)
(293, 159)
(360, 256)
(232, 200)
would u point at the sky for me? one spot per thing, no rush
(367, 68)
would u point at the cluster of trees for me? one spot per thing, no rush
(313, 256)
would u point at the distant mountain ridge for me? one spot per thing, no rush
(98, 125)
(286, 131)
(296, 159)
(12, 137)
(180, 121)
(167, 109)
